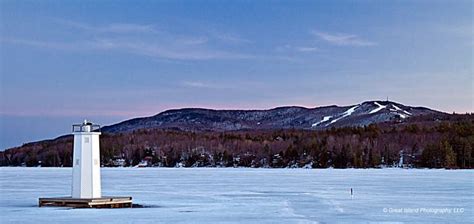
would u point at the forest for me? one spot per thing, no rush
(421, 142)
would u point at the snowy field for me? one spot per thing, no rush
(242, 195)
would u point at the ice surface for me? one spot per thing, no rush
(244, 195)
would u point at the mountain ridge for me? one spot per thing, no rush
(316, 117)
(283, 117)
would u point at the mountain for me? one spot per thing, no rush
(319, 118)
(274, 138)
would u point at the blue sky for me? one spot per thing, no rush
(63, 61)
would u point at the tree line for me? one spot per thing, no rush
(433, 144)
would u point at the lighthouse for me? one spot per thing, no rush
(86, 187)
(86, 161)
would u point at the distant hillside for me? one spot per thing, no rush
(433, 140)
(319, 118)
(370, 134)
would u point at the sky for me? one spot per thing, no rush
(108, 61)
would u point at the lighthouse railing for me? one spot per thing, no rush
(82, 127)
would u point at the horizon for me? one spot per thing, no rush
(61, 63)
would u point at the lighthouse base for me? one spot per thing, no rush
(103, 202)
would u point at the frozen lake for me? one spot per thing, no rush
(227, 195)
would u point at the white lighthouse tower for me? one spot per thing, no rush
(86, 161)
(86, 192)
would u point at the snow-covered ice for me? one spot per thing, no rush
(244, 195)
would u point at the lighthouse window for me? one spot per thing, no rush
(86, 139)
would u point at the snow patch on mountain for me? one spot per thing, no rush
(402, 115)
(380, 107)
(350, 111)
(396, 108)
(326, 118)
(400, 109)
(345, 114)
